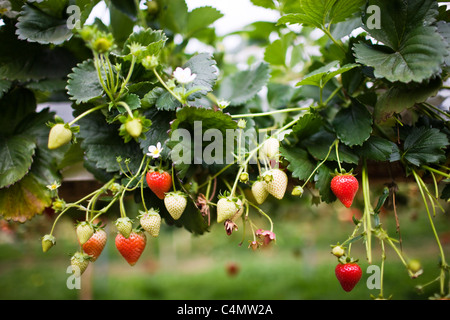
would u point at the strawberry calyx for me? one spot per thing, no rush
(346, 260)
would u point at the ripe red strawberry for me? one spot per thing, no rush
(131, 249)
(84, 231)
(150, 222)
(259, 191)
(159, 182)
(79, 263)
(348, 275)
(344, 187)
(175, 203)
(277, 181)
(95, 245)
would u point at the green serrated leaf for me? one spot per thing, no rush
(319, 143)
(401, 97)
(413, 50)
(424, 146)
(321, 76)
(173, 15)
(16, 154)
(150, 98)
(201, 18)
(152, 40)
(204, 66)
(323, 181)
(83, 84)
(299, 162)
(377, 149)
(103, 144)
(353, 124)
(194, 122)
(22, 60)
(242, 86)
(322, 13)
(132, 100)
(35, 25)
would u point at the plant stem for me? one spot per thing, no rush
(443, 265)
(127, 79)
(86, 113)
(263, 114)
(321, 163)
(337, 155)
(367, 212)
(263, 213)
(167, 88)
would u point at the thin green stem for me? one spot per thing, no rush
(337, 155)
(127, 79)
(321, 163)
(167, 88)
(332, 95)
(216, 175)
(436, 171)
(328, 33)
(367, 212)
(86, 113)
(263, 114)
(263, 213)
(127, 108)
(420, 184)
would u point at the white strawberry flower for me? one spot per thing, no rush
(184, 76)
(155, 151)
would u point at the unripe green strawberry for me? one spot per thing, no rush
(277, 184)
(124, 226)
(85, 230)
(270, 148)
(134, 127)
(175, 203)
(338, 251)
(59, 135)
(259, 191)
(79, 263)
(151, 222)
(48, 241)
(227, 208)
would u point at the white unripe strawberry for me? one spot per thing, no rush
(150, 222)
(259, 191)
(270, 148)
(228, 208)
(277, 184)
(175, 203)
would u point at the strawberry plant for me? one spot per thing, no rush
(198, 139)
